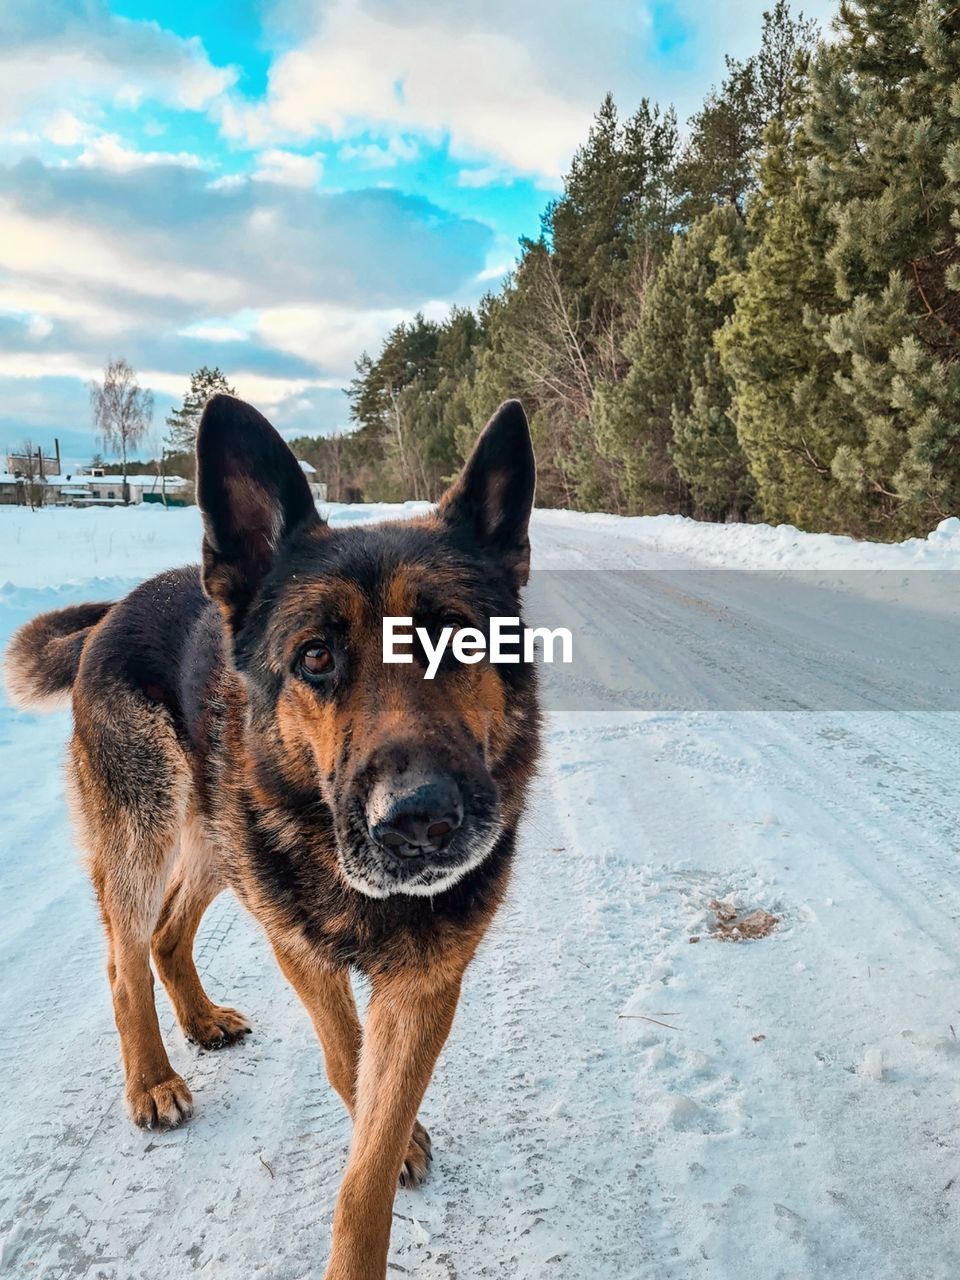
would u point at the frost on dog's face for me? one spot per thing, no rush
(407, 768)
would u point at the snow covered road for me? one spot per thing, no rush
(616, 1100)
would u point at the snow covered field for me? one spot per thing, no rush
(617, 1099)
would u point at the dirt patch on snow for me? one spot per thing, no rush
(731, 926)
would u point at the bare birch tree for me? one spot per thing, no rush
(122, 412)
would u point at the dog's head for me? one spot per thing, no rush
(412, 770)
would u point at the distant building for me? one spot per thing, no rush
(317, 487)
(13, 490)
(84, 490)
(37, 463)
(94, 489)
(37, 479)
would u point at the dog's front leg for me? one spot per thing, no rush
(408, 1019)
(328, 999)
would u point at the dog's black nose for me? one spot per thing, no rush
(420, 820)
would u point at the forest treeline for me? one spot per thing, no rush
(755, 317)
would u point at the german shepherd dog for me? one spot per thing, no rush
(235, 726)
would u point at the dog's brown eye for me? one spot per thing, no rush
(316, 660)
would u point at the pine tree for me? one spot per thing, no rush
(884, 122)
(720, 161)
(789, 413)
(411, 406)
(617, 205)
(667, 423)
(569, 303)
(705, 448)
(386, 410)
(182, 423)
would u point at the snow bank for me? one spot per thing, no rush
(59, 547)
(764, 546)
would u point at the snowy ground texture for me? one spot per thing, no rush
(616, 1100)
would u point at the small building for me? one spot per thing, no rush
(12, 490)
(37, 463)
(94, 489)
(317, 487)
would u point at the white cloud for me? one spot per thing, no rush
(107, 151)
(485, 176)
(160, 242)
(216, 332)
(260, 388)
(60, 54)
(39, 326)
(63, 251)
(495, 272)
(327, 335)
(289, 168)
(331, 335)
(511, 88)
(356, 70)
(59, 299)
(101, 149)
(64, 129)
(377, 155)
(229, 182)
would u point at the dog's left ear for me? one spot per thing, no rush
(252, 493)
(490, 503)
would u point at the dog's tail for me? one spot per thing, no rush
(43, 657)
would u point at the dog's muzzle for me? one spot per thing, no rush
(415, 829)
(415, 818)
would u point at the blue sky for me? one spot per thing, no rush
(270, 186)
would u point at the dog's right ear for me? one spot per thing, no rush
(252, 493)
(491, 501)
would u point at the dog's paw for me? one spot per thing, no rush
(419, 1157)
(217, 1027)
(162, 1106)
